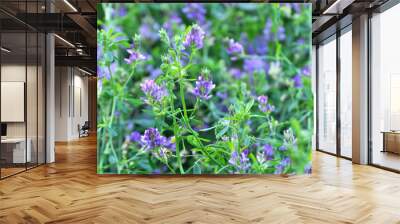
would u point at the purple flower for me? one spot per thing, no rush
(300, 41)
(195, 12)
(173, 21)
(152, 139)
(282, 148)
(296, 7)
(279, 169)
(281, 33)
(307, 169)
(268, 151)
(195, 36)
(234, 47)
(105, 72)
(263, 104)
(122, 11)
(222, 95)
(135, 136)
(240, 161)
(149, 31)
(134, 56)
(99, 84)
(154, 72)
(236, 73)
(267, 29)
(298, 82)
(261, 45)
(203, 88)
(262, 99)
(153, 91)
(286, 161)
(306, 71)
(254, 64)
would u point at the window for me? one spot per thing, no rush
(327, 97)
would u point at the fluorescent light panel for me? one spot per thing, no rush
(331, 7)
(64, 40)
(5, 50)
(70, 5)
(86, 72)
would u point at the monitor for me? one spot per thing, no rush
(3, 129)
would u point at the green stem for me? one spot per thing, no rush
(177, 139)
(110, 141)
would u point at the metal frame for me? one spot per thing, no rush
(44, 77)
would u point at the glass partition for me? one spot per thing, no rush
(327, 96)
(346, 93)
(22, 95)
(14, 153)
(385, 89)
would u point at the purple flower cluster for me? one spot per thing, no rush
(152, 139)
(285, 162)
(153, 91)
(297, 79)
(240, 161)
(105, 72)
(195, 37)
(263, 104)
(195, 12)
(148, 31)
(234, 47)
(298, 82)
(236, 73)
(266, 154)
(203, 88)
(282, 148)
(281, 33)
(254, 64)
(173, 21)
(135, 136)
(134, 56)
(306, 71)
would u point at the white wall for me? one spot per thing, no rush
(71, 94)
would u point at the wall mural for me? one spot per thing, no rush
(204, 88)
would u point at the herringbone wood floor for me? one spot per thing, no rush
(69, 191)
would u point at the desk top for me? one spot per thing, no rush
(391, 132)
(13, 140)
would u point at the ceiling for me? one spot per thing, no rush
(74, 22)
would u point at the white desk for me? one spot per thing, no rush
(19, 149)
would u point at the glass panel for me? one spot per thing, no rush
(31, 97)
(327, 97)
(386, 89)
(13, 86)
(346, 94)
(41, 99)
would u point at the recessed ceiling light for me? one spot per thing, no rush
(70, 5)
(84, 71)
(5, 50)
(64, 40)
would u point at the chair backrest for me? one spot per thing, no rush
(86, 125)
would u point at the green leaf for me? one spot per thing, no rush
(222, 132)
(193, 141)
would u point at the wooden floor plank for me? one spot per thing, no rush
(70, 191)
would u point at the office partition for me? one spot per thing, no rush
(22, 95)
